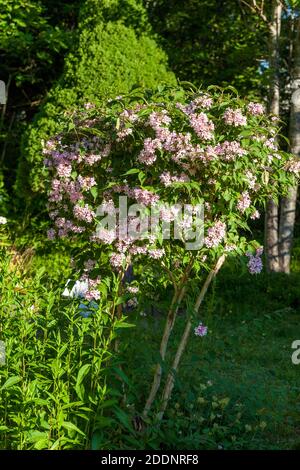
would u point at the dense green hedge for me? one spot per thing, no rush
(114, 52)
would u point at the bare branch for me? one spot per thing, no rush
(255, 8)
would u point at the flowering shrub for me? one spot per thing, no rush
(163, 151)
(112, 40)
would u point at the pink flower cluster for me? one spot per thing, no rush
(215, 234)
(67, 192)
(203, 101)
(117, 260)
(234, 117)
(202, 125)
(255, 109)
(227, 150)
(252, 180)
(156, 253)
(147, 156)
(244, 202)
(84, 213)
(132, 289)
(255, 264)
(104, 235)
(293, 166)
(86, 182)
(167, 179)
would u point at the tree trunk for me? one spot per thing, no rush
(272, 213)
(288, 206)
(184, 339)
(171, 317)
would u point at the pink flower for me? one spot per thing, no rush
(166, 178)
(122, 134)
(157, 119)
(132, 289)
(204, 101)
(202, 126)
(89, 105)
(201, 330)
(255, 215)
(103, 235)
(147, 156)
(117, 260)
(229, 248)
(255, 108)
(229, 150)
(293, 166)
(92, 294)
(166, 214)
(51, 234)
(108, 207)
(84, 213)
(234, 117)
(143, 196)
(271, 144)
(255, 264)
(64, 170)
(156, 253)
(251, 179)
(89, 265)
(215, 234)
(138, 250)
(132, 303)
(244, 202)
(86, 182)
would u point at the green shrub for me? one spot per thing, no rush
(115, 51)
(54, 364)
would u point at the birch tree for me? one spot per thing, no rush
(272, 212)
(288, 205)
(280, 218)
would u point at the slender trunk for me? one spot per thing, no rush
(183, 342)
(272, 213)
(176, 301)
(288, 205)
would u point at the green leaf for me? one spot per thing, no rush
(83, 371)
(97, 440)
(94, 192)
(121, 324)
(103, 422)
(72, 427)
(132, 171)
(11, 381)
(123, 418)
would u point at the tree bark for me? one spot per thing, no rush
(272, 212)
(171, 317)
(288, 205)
(183, 342)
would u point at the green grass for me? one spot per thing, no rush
(247, 356)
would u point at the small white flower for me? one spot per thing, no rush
(3, 220)
(79, 289)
